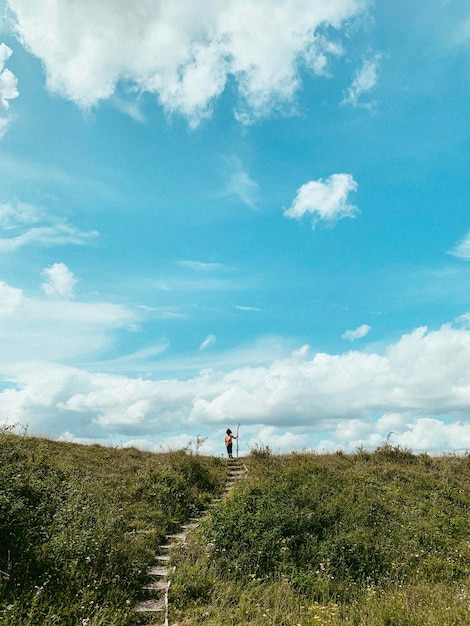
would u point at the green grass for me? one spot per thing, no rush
(79, 525)
(370, 538)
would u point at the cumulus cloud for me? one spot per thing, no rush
(419, 389)
(324, 200)
(364, 81)
(358, 333)
(276, 439)
(28, 225)
(186, 52)
(462, 249)
(8, 87)
(60, 281)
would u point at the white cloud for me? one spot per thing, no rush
(176, 442)
(358, 333)
(60, 281)
(47, 236)
(8, 88)
(464, 319)
(247, 308)
(418, 389)
(60, 329)
(462, 249)
(10, 298)
(364, 81)
(324, 200)
(429, 434)
(199, 266)
(424, 375)
(276, 440)
(183, 52)
(301, 352)
(239, 182)
(31, 225)
(8, 82)
(208, 341)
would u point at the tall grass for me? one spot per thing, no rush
(79, 526)
(370, 538)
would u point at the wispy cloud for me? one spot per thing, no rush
(239, 183)
(135, 362)
(363, 83)
(462, 249)
(324, 200)
(358, 333)
(201, 266)
(58, 328)
(32, 225)
(247, 308)
(208, 341)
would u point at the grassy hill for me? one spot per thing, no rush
(370, 538)
(79, 526)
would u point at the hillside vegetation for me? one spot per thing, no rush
(370, 538)
(79, 525)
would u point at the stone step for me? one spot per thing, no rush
(162, 558)
(157, 570)
(157, 585)
(177, 536)
(150, 606)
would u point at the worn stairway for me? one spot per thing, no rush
(153, 608)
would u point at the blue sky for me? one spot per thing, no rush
(236, 212)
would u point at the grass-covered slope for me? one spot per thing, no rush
(80, 524)
(371, 538)
(379, 538)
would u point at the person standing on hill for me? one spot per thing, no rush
(229, 437)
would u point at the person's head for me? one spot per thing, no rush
(229, 432)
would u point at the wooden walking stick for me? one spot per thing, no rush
(238, 428)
